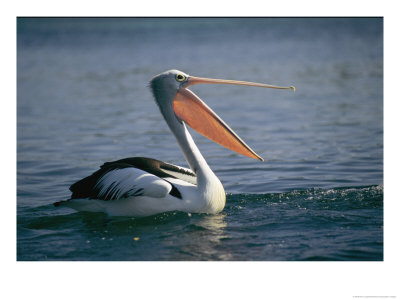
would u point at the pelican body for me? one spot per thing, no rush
(140, 186)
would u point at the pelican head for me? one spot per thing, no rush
(179, 104)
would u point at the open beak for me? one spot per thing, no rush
(188, 107)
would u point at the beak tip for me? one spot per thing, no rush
(293, 88)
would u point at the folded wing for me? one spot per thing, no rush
(135, 176)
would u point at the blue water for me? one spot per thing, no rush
(83, 99)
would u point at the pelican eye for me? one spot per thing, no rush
(180, 77)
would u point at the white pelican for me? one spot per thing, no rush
(140, 186)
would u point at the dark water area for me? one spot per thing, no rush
(337, 224)
(83, 99)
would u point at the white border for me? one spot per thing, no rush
(258, 280)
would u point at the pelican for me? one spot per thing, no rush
(140, 186)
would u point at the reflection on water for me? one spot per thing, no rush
(181, 236)
(202, 239)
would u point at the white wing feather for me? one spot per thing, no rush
(185, 175)
(131, 182)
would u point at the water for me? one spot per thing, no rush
(83, 99)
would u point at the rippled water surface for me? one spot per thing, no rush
(83, 99)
